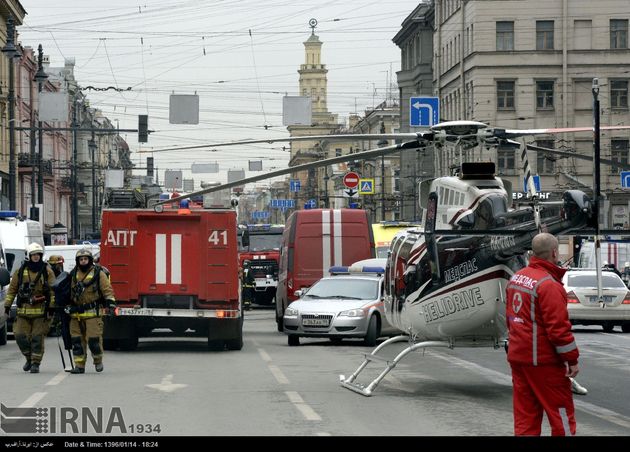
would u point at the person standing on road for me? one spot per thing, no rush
(90, 292)
(31, 285)
(542, 351)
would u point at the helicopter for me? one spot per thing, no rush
(445, 281)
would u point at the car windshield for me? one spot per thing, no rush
(582, 281)
(344, 288)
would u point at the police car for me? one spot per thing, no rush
(347, 304)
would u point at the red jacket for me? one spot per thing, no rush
(537, 317)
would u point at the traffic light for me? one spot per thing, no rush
(143, 128)
(150, 166)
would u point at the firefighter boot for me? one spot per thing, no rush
(77, 370)
(27, 366)
(35, 368)
(99, 367)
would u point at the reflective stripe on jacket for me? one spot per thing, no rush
(537, 316)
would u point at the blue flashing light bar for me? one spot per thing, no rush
(342, 269)
(8, 213)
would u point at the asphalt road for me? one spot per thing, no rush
(177, 386)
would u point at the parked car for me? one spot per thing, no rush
(347, 304)
(584, 307)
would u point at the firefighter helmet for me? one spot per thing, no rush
(84, 252)
(55, 259)
(34, 248)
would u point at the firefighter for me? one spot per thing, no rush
(90, 293)
(56, 263)
(31, 285)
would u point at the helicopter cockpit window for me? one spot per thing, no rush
(488, 210)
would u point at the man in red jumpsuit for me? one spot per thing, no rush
(542, 351)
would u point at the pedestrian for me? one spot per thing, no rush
(56, 263)
(90, 293)
(542, 353)
(30, 286)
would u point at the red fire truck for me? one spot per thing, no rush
(259, 256)
(176, 269)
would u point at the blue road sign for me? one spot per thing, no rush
(625, 179)
(295, 185)
(536, 184)
(424, 111)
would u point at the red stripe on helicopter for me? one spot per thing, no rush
(493, 275)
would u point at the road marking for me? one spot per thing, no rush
(167, 384)
(609, 355)
(33, 399)
(277, 373)
(621, 336)
(264, 355)
(57, 378)
(501, 378)
(604, 413)
(308, 412)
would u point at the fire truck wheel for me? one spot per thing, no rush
(625, 327)
(234, 344)
(294, 340)
(128, 344)
(216, 345)
(110, 344)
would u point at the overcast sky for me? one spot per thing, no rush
(159, 47)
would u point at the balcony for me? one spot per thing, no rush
(24, 162)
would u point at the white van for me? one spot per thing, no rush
(16, 233)
(69, 253)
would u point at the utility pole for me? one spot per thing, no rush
(11, 51)
(92, 146)
(597, 189)
(75, 184)
(40, 78)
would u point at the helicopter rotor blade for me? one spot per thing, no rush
(306, 166)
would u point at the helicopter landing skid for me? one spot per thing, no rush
(350, 383)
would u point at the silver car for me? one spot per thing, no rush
(337, 307)
(584, 307)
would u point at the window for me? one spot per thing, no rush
(618, 33)
(544, 95)
(619, 153)
(619, 93)
(505, 95)
(505, 35)
(544, 35)
(546, 163)
(582, 34)
(506, 161)
(338, 152)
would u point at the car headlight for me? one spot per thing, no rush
(290, 312)
(352, 313)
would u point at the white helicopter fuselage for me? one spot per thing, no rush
(450, 287)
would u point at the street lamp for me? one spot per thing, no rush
(40, 78)
(11, 51)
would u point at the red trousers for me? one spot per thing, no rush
(538, 389)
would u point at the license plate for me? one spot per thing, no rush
(132, 311)
(315, 322)
(262, 282)
(606, 298)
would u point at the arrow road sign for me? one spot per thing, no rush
(625, 179)
(295, 185)
(351, 193)
(424, 111)
(351, 179)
